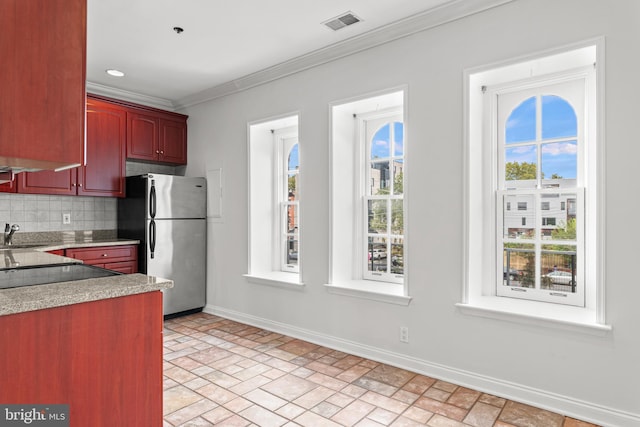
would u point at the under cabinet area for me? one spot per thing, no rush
(123, 259)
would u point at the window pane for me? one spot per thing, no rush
(398, 177)
(398, 132)
(518, 267)
(558, 118)
(292, 218)
(292, 187)
(377, 254)
(380, 146)
(560, 160)
(292, 251)
(397, 257)
(565, 220)
(380, 178)
(377, 216)
(293, 163)
(518, 224)
(397, 218)
(521, 166)
(558, 268)
(521, 124)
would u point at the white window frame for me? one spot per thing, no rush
(378, 120)
(479, 287)
(267, 201)
(348, 217)
(572, 86)
(284, 140)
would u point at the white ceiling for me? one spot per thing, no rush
(223, 40)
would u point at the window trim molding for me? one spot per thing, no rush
(257, 271)
(353, 285)
(474, 302)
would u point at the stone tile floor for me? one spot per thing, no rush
(224, 373)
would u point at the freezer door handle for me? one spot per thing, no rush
(152, 237)
(152, 201)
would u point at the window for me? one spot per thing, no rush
(368, 239)
(274, 194)
(289, 196)
(383, 199)
(533, 140)
(539, 143)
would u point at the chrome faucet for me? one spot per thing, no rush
(8, 232)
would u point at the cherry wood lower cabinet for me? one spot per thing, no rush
(102, 358)
(121, 258)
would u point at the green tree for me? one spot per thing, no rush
(516, 171)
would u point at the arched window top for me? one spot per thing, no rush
(541, 118)
(558, 118)
(521, 124)
(388, 141)
(293, 162)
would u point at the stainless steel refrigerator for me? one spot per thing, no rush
(168, 215)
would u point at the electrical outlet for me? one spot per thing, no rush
(404, 334)
(66, 218)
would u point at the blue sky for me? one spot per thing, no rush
(294, 161)
(380, 147)
(558, 121)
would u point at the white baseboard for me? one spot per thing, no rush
(565, 405)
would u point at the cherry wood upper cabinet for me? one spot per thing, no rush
(173, 141)
(42, 89)
(104, 172)
(157, 137)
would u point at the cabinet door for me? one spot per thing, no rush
(104, 254)
(104, 171)
(48, 182)
(9, 187)
(43, 81)
(142, 136)
(173, 141)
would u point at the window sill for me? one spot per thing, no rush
(391, 293)
(556, 316)
(278, 279)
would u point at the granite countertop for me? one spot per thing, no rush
(38, 297)
(50, 246)
(14, 258)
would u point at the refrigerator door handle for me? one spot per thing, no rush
(152, 237)
(152, 202)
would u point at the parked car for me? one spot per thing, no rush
(560, 277)
(378, 254)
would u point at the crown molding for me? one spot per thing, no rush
(428, 19)
(125, 95)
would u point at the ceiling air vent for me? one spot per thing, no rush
(342, 21)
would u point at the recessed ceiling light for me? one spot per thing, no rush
(115, 73)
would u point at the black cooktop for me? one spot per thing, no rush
(53, 273)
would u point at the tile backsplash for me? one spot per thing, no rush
(44, 213)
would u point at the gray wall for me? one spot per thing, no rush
(591, 376)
